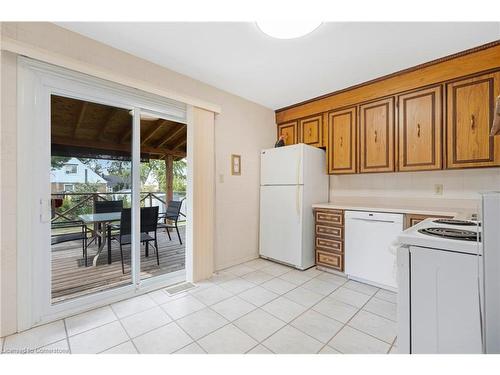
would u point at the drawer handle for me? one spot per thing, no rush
(472, 122)
(341, 141)
(418, 130)
(375, 136)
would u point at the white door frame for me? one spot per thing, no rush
(36, 82)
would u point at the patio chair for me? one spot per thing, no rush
(149, 222)
(74, 236)
(102, 207)
(172, 216)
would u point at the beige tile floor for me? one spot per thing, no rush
(255, 307)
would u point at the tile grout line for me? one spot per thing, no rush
(392, 345)
(352, 317)
(117, 319)
(232, 295)
(311, 308)
(345, 324)
(283, 295)
(241, 277)
(232, 322)
(67, 336)
(289, 323)
(126, 332)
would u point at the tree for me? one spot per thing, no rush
(94, 164)
(158, 169)
(58, 161)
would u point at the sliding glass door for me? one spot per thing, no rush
(105, 169)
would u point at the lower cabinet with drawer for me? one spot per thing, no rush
(329, 238)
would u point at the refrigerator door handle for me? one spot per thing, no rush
(297, 200)
(298, 170)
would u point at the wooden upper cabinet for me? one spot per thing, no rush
(342, 141)
(470, 106)
(311, 130)
(420, 129)
(289, 130)
(376, 136)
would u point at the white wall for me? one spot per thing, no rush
(242, 127)
(457, 184)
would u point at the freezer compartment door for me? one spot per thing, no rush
(281, 223)
(282, 166)
(444, 302)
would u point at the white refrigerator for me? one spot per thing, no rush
(292, 179)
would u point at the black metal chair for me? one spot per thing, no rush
(149, 222)
(102, 207)
(172, 215)
(73, 236)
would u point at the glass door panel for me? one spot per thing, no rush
(163, 189)
(91, 190)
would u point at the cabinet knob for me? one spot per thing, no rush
(472, 122)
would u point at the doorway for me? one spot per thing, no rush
(108, 179)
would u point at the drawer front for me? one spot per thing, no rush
(330, 260)
(329, 245)
(330, 232)
(331, 217)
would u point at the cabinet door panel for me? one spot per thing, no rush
(342, 141)
(469, 120)
(420, 129)
(289, 130)
(311, 130)
(377, 136)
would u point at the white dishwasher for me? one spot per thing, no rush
(368, 236)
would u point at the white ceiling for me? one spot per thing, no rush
(239, 58)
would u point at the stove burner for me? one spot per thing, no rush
(455, 222)
(451, 233)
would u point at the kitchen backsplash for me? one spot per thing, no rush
(456, 184)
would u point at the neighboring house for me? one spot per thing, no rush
(116, 183)
(72, 173)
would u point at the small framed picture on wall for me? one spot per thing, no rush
(235, 165)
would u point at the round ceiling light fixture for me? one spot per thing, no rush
(287, 29)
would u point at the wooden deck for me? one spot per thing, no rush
(70, 277)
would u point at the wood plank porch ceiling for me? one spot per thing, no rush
(78, 123)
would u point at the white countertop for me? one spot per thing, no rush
(403, 206)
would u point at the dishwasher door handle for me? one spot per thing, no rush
(372, 220)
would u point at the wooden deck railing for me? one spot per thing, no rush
(85, 202)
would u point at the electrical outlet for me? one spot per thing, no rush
(221, 178)
(438, 189)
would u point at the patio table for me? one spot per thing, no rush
(104, 219)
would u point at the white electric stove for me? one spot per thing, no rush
(439, 308)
